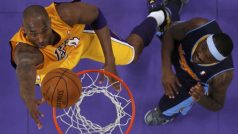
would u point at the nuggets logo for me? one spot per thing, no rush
(184, 65)
(60, 52)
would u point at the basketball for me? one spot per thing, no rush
(61, 88)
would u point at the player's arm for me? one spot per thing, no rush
(82, 13)
(217, 91)
(27, 58)
(175, 32)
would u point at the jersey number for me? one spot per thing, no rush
(60, 52)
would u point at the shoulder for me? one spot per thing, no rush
(223, 80)
(68, 6)
(180, 29)
(72, 12)
(197, 22)
(27, 53)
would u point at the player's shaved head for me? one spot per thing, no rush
(35, 13)
(37, 26)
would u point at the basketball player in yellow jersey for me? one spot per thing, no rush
(57, 37)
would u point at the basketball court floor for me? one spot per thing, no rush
(143, 78)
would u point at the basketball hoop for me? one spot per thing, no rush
(71, 120)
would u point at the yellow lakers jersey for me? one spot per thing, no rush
(75, 43)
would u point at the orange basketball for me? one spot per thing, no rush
(61, 88)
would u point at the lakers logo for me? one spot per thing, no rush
(73, 42)
(61, 53)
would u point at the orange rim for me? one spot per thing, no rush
(124, 85)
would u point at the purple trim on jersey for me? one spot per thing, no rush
(113, 35)
(100, 22)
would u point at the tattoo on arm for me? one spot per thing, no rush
(217, 91)
(27, 58)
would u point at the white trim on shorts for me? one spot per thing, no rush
(119, 41)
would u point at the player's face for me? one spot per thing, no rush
(38, 31)
(202, 54)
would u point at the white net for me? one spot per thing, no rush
(71, 120)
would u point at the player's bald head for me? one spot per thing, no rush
(35, 13)
(37, 26)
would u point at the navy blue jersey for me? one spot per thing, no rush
(181, 57)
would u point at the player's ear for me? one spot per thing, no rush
(50, 20)
(23, 29)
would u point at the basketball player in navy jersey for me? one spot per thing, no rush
(200, 54)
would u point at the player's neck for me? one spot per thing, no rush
(55, 38)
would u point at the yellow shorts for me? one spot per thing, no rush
(90, 48)
(123, 52)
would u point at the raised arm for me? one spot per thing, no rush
(27, 58)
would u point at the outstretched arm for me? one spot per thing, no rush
(27, 58)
